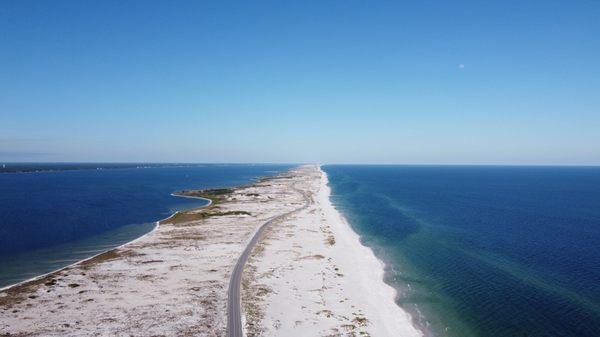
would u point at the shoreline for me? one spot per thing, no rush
(156, 225)
(418, 319)
(379, 268)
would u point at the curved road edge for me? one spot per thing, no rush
(234, 316)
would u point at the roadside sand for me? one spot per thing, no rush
(309, 276)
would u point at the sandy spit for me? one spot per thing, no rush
(309, 275)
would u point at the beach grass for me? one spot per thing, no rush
(216, 195)
(191, 216)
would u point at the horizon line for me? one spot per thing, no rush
(295, 163)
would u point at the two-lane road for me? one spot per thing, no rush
(234, 316)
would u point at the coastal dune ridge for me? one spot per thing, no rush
(309, 275)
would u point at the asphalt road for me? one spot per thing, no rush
(234, 308)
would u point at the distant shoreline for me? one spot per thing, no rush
(61, 167)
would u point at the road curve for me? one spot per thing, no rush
(234, 308)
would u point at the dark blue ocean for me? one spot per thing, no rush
(483, 251)
(52, 218)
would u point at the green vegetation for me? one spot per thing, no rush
(183, 217)
(216, 195)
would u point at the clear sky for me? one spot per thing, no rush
(485, 82)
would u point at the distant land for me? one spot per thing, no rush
(42, 167)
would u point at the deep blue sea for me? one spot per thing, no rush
(484, 251)
(52, 218)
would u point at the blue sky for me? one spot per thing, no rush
(471, 82)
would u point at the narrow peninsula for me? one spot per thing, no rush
(306, 274)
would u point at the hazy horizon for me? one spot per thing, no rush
(291, 163)
(461, 83)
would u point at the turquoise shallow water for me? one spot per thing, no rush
(483, 251)
(65, 213)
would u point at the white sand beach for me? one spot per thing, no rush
(308, 276)
(312, 277)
